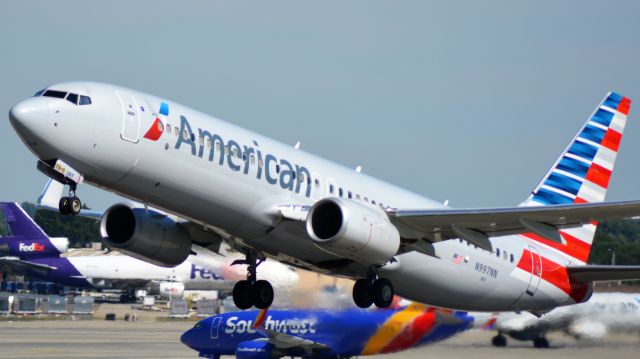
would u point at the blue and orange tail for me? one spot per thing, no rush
(582, 172)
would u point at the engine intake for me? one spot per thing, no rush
(145, 234)
(352, 230)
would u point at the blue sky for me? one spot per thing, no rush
(462, 100)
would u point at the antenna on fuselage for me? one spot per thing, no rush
(359, 169)
(297, 146)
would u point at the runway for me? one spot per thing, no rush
(160, 339)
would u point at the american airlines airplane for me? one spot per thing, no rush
(203, 180)
(30, 251)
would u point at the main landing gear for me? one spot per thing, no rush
(70, 205)
(373, 290)
(252, 292)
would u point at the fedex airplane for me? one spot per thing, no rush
(322, 333)
(32, 252)
(604, 313)
(203, 180)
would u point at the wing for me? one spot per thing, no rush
(603, 273)
(19, 265)
(476, 225)
(286, 341)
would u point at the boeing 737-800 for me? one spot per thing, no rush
(211, 181)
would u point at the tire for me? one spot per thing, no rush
(499, 341)
(75, 206)
(63, 205)
(541, 343)
(362, 293)
(382, 293)
(262, 294)
(242, 295)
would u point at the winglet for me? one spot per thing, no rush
(261, 318)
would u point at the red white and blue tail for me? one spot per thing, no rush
(583, 171)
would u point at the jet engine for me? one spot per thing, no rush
(352, 230)
(145, 234)
(257, 350)
(170, 289)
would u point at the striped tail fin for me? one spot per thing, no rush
(582, 173)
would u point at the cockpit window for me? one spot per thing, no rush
(39, 93)
(73, 98)
(85, 100)
(54, 93)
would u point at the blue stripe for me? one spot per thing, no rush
(602, 117)
(164, 109)
(613, 100)
(564, 183)
(547, 197)
(593, 134)
(573, 166)
(583, 150)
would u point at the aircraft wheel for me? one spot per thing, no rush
(540, 342)
(499, 341)
(362, 293)
(262, 294)
(242, 294)
(63, 205)
(382, 293)
(74, 206)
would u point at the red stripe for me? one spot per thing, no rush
(575, 247)
(611, 140)
(556, 275)
(624, 105)
(412, 333)
(579, 200)
(155, 131)
(598, 175)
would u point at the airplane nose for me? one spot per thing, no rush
(187, 338)
(29, 115)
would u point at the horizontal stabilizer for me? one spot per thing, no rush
(603, 273)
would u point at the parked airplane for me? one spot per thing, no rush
(602, 314)
(26, 240)
(214, 181)
(201, 271)
(322, 333)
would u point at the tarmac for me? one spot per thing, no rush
(152, 336)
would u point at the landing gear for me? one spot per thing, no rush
(378, 291)
(70, 205)
(540, 343)
(499, 341)
(252, 292)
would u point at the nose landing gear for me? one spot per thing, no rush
(373, 290)
(252, 292)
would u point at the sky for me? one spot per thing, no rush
(466, 101)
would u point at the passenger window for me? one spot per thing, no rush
(317, 182)
(277, 168)
(512, 258)
(350, 195)
(366, 199)
(54, 93)
(218, 146)
(168, 128)
(85, 100)
(177, 131)
(358, 197)
(209, 143)
(504, 255)
(373, 202)
(331, 188)
(498, 252)
(340, 192)
(253, 159)
(73, 98)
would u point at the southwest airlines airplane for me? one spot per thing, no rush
(203, 180)
(321, 333)
(30, 251)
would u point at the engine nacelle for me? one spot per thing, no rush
(351, 230)
(257, 350)
(145, 234)
(170, 289)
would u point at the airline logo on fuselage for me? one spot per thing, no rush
(203, 273)
(33, 247)
(235, 325)
(274, 171)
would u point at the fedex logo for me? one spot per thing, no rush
(203, 273)
(33, 247)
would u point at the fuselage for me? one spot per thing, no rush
(344, 333)
(232, 180)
